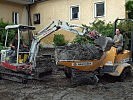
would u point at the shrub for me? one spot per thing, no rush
(129, 9)
(98, 25)
(102, 27)
(82, 40)
(107, 30)
(59, 40)
(126, 28)
(3, 33)
(1, 47)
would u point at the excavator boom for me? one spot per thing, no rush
(54, 26)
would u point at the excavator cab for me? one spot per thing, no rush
(28, 64)
(16, 59)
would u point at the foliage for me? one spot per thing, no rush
(1, 47)
(129, 6)
(126, 28)
(103, 28)
(82, 40)
(59, 40)
(129, 9)
(3, 33)
(107, 30)
(98, 25)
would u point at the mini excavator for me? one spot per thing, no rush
(20, 65)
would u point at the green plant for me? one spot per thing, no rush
(83, 40)
(129, 9)
(3, 33)
(107, 29)
(1, 47)
(59, 40)
(103, 28)
(99, 26)
(126, 28)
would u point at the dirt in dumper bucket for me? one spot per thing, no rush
(57, 87)
(85, 51)
(79, 52)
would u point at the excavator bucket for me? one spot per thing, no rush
(104, 42)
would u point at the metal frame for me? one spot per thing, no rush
(19, 28)
(54, 26)
(6, 38)
(18, 44)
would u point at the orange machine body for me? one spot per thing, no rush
(109, 58)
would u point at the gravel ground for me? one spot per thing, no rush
(57, 87)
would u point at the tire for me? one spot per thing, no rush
(68, 72)
(84, 80)
(125, 73)
(93, 80)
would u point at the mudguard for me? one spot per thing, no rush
(119, 69)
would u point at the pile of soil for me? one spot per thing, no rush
(79, 52)
(85, 51)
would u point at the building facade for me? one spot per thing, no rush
(77, 12)
(44, 12)
(13, 12)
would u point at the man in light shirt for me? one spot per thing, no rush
(118, 40)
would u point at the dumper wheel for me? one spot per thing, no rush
(125, 73)
(68, 72)
(93, 80)
(84, 80)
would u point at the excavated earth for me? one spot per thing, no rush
(58, 87)
(79, 52)
(84, 51)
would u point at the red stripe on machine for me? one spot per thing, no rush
(8, 66)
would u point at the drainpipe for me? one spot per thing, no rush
(29, 20)
(29, 14)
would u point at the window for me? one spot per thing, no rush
(15, 17)
(36, 18)
(99, 9)
(74, 12)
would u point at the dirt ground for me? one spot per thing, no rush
(57, 87)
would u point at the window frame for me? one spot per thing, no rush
(37, 21)
(95, 10)
(72, 6)
(15, 19)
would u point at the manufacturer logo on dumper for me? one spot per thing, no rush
(82, 64)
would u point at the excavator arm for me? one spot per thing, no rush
(54, 26)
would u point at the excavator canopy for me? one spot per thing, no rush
(22, 27)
